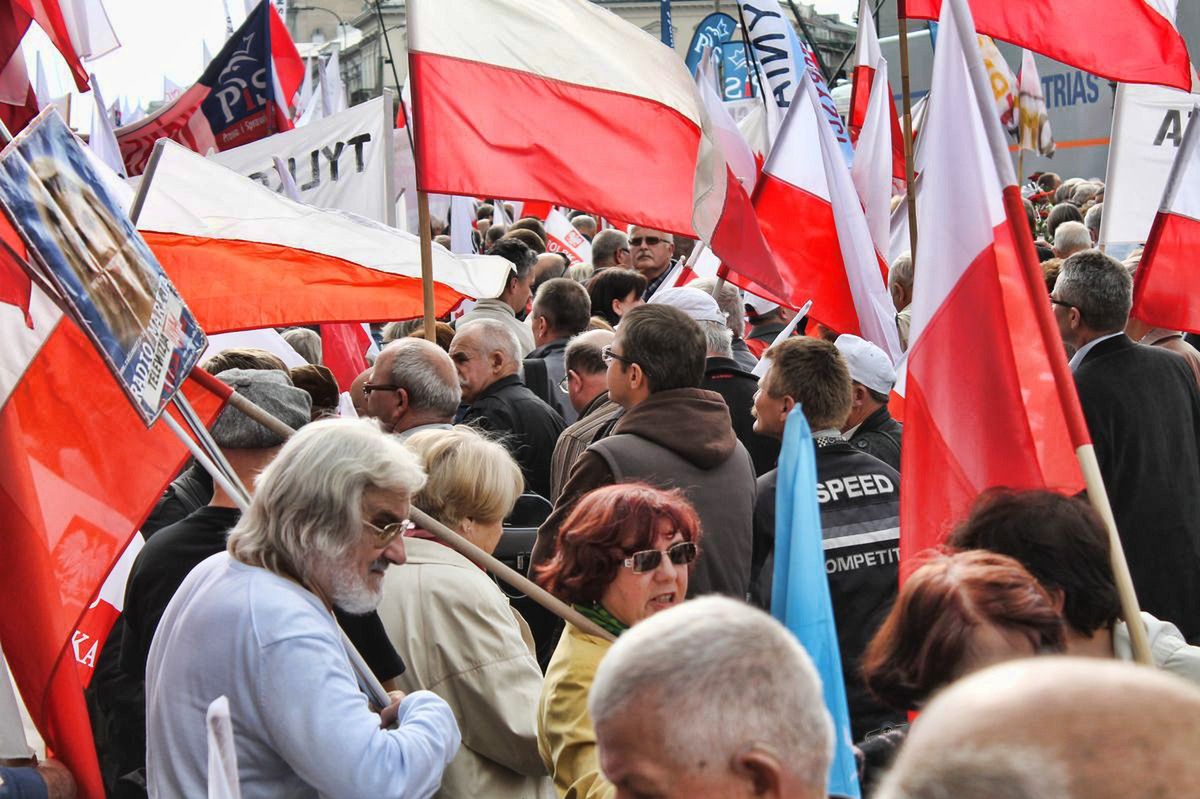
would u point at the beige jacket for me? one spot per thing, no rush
(460, 638)
(566, 737)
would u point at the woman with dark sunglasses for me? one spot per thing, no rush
(623, 555)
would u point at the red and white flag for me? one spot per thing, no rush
(344, 348)
(74, 494)
(565, 237)
(602, 85)
(869, 62)
(1164, 292)
(814, 223)
(1131, 41)
(277, 262)
(873, 168)
(1005, 413)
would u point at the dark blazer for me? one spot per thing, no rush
(737, 386)
(525, 425)
(1142, 408)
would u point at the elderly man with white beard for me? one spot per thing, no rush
(254, 624)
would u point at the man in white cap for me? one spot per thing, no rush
(767, 320)
(870, 427)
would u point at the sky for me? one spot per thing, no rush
(166, 38)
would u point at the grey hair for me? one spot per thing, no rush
(306, 343)
(1084, 192)
(606, 243)
(720, 676)
(307, 504)
(1070, 238)
(398, 330)
(585, 352)
(729, 300)
(415, 370)
(994, 772)
(901, 272)
(1099, 286)
(718, 338)
(1093, 217)
(495, 335)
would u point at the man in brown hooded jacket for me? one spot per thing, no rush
(673, 435)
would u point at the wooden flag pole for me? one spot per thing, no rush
(1092, 479)
(455, 541)
(426, 263)
(1020, 166)
(908, 134)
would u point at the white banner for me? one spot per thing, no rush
(564, 237)
(1148, 126)
(343, 161)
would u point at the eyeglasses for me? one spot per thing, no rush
(608, 356)
(387, 534)
(1053, 301)
(650, 241)
(564, 385)
(648, 560)
(369, 387)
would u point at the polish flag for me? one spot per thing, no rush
(344, 348)
(97, 621)
(565, 237)
(277, 262)
(814, 223)
(1131, 41)
(873, 163)
(74, 494)
(869, 62)
(78, 29)
(1164, 292)
(601, 86)
(989, 399)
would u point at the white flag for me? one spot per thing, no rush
(564, 237)
(1035, 134)
(102, 141)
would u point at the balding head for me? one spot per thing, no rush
(587, 374)
(484, 351)
(1058, 728)
(413, 382)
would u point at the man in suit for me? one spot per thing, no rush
(1142, 408)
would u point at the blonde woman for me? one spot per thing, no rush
(454, 627)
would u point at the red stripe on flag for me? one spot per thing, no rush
(1121, 40)
(649, 150)
(72, 496)
(1164, 294)
(343, 350)
(800, 229)
(244, 285)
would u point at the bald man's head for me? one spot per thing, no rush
(1054, 727)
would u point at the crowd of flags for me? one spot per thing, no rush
(793, 204)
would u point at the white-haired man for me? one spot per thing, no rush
(711, 699)
(1070, 238)
(651, 251)
(900, 286)
(488, 359)
(254, 624)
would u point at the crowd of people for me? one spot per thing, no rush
(631, 429)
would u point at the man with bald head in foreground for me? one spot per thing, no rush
(1054, 728)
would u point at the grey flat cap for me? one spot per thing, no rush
(270, 390)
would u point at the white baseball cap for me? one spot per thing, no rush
(697, 304)
(758, 305)
(868, 363)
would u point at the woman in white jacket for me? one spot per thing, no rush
(454, 627)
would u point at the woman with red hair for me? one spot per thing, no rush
(623, 555)
(957, 614)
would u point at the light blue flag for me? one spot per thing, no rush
(800, 592)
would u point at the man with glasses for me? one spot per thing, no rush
(1142, 409)
(651, 251)
(673, 435)
(254, 624)
(586, 385)
(413, 386)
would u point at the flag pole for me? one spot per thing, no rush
(902, 18)
(1084, 451)
(452, 539)
(426, 263)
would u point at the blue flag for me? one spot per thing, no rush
(800, 592)
(664, 18)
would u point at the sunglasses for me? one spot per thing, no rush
(387, 534)
(649, 240)
(648, 560)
